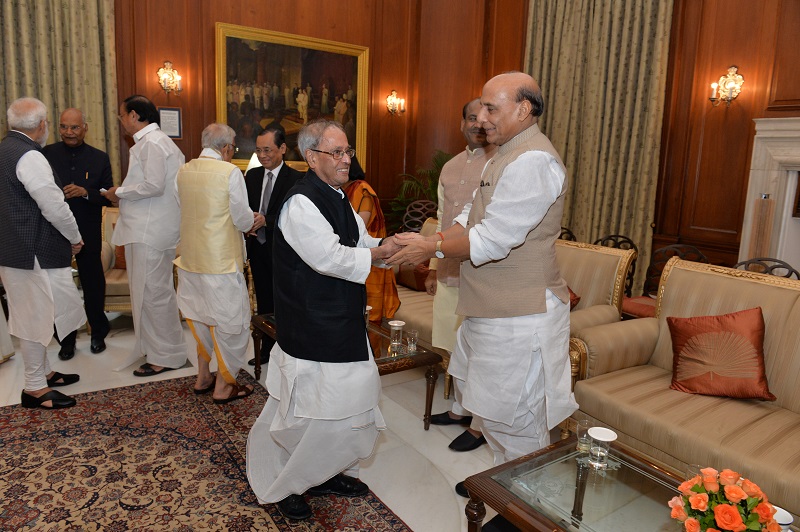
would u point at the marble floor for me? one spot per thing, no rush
(412, 471)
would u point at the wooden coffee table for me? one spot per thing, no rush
(556, 490)
(424, 356)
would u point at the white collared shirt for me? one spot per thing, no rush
(149, 209)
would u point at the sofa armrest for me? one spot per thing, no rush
(584, 318)
(107, 257)
(614, 346)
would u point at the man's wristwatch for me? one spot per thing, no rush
(439, 253)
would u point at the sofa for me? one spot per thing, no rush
(596, 274)
(627, 373)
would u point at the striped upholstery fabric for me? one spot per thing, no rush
(630, 369)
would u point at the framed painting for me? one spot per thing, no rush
(267, 79)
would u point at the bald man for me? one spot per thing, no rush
(83, 171)
(511, 360)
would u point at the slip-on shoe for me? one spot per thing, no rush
(237, 392)
(58, 399)
(62, 379)
(445, 419)
(341, 485)
(66, 352)
(295, 507)
(466, 442)
(461, 489)
(98, 345)
(146, 370)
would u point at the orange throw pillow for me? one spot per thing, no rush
(574, 298)
(119, 258)
(720, 355)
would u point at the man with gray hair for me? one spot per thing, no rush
(322, 414)
(212, 294)
(38, 236)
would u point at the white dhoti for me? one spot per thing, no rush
(217, 309)
(320, 420)
(156, 322)
(514, 374)
(37, 299)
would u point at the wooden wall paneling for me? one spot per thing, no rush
(675, 129)
(451, 72)
(784, 95)
(395, 67)
(720, 136)
(505, 35)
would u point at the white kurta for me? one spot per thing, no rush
(221, 300)
(149, 227)
(321, 418)
(491, 386)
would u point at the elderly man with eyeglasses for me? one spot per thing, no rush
(83, 171)
(322, 415)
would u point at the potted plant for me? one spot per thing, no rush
(424, 186)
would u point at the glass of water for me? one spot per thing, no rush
(582, 431)
(598, 448)
(411, 338)
(396, 337)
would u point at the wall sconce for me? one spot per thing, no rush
(168, 78)
(394, 104)
(728, 87)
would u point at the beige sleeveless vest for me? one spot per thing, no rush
(210, 243)
(515, 285)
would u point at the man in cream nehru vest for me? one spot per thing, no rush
(511, 361)
(212, 293)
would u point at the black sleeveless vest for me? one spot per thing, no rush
(25, 234)
(319, 317)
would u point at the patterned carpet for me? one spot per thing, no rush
(149, 457)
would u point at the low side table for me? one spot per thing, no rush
(379, 340)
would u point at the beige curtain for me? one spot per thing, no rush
(602, 68)
(62, 52)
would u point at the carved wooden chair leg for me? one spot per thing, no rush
(448, 385)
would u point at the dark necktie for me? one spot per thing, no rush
(261, 234)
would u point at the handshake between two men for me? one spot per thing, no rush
(413, 248)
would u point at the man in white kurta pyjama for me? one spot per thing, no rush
(511, 362)
(38, 235)
(322, 415)
(149, 228)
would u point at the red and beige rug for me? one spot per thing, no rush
(149, 457)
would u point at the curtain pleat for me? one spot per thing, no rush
(62, 52)
(602, 66)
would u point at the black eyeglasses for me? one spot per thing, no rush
(337, 154)
(234, 146)
(74, 129)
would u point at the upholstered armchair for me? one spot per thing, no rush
(118, 293)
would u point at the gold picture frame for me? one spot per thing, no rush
(274, 69)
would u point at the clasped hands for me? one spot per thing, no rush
(406, 248)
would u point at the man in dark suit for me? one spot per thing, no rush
(266, 188)
(83, 171)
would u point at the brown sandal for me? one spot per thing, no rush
(236, 393)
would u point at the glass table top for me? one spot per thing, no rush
(564, 487)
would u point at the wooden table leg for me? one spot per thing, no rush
(430, 377)
(258, 335)
(475, 512)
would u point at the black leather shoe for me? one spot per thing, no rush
(58, 399)
(462, 490)
(295, 507)
(341, 485)
(66, 352)
(466, 442)
(62, 379)
(263, 360)
(445, 419)
(98, 345)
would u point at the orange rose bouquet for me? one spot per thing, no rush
(722, 502)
